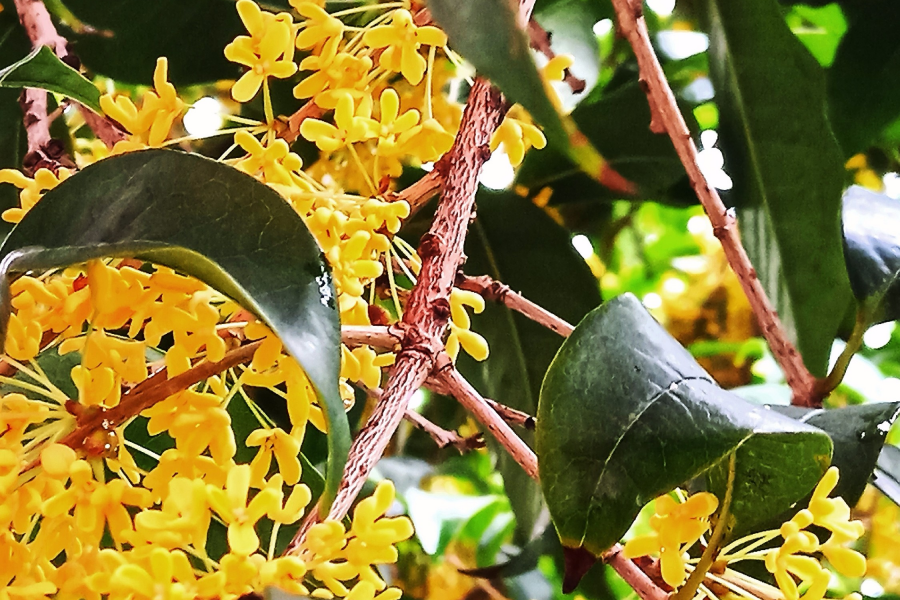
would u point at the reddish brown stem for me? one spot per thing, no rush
(667, 117)
(491, 289)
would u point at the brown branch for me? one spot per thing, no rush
(469, 397)
(147, 393)
(512, 416)
(379, 337)
(491, 289)
(428, 310)
(633, 575)
(310, 110)
(104, 128)
(441, 436)
(665, 110)
(419, 193)
(42, 150)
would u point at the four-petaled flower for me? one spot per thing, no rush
(240, 516)
(280, 444)
(268, 50)
(676, 527)
(402, 39)
(350, 126)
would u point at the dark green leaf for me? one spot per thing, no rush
(213, 222)
(887, 473)
(617, 122)
(786, 166)
(123, 38)
(14, 43)
(626, 414)
(42, 69)
(517, 243)
(863, 92)
(858, 433)
(487, 34)
(872, 250)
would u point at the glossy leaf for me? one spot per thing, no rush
(231, 231)
(872, 250)
(626, 414)
(617, 123)
(14, 44)
(487, 34)
(858, 433)
(44, 70)
(887, 473)
(122, 39)
(786, 166)
(515, 242)
(863, 93)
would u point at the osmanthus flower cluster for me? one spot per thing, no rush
(795, 563)
(106, 517)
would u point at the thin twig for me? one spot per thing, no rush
(491, 289)
(469, 397)
(441, 436)
(633, 575)
(377, 336)
(667, 117)
(512, 416)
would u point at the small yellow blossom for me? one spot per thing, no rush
(517, 134)
(268, 51)
(676, 527)
(350, 126)
(401, 40)
(32, 189)
(281, 445)
(319, 26)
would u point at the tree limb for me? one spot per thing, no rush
(666, 117)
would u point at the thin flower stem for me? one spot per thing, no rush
(723, 525)
(362, 169)
(854, 343)
(428, 84)
(368, 7)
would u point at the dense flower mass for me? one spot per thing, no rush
(173, 499)
(795, 563)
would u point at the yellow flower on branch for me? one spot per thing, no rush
(281, 445)
(401, 40)
(275, 161)
(150, 124)
(240, 515)
(32, 189)
(268, 51)
(319, 26)
(676, 527)
(351, 125)
(517, 134)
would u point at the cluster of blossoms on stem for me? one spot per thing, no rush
(96, 502)
(794, 563)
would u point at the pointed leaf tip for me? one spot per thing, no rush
(578, 561)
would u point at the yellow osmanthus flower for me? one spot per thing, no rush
(274, 161)
(676, 527)
(278, 443)
(268, 51)
(401, 40)
(333, 74)
(517, 134)
(319, 26)
(351, 125)
(460, 334)
(32, 189)
(151, 124)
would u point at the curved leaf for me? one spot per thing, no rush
(43, 69)
(887, 473)
(626, 414)
(858, 433)
(211, 221)
(872, 250)
(786, 166)
(14, 43)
